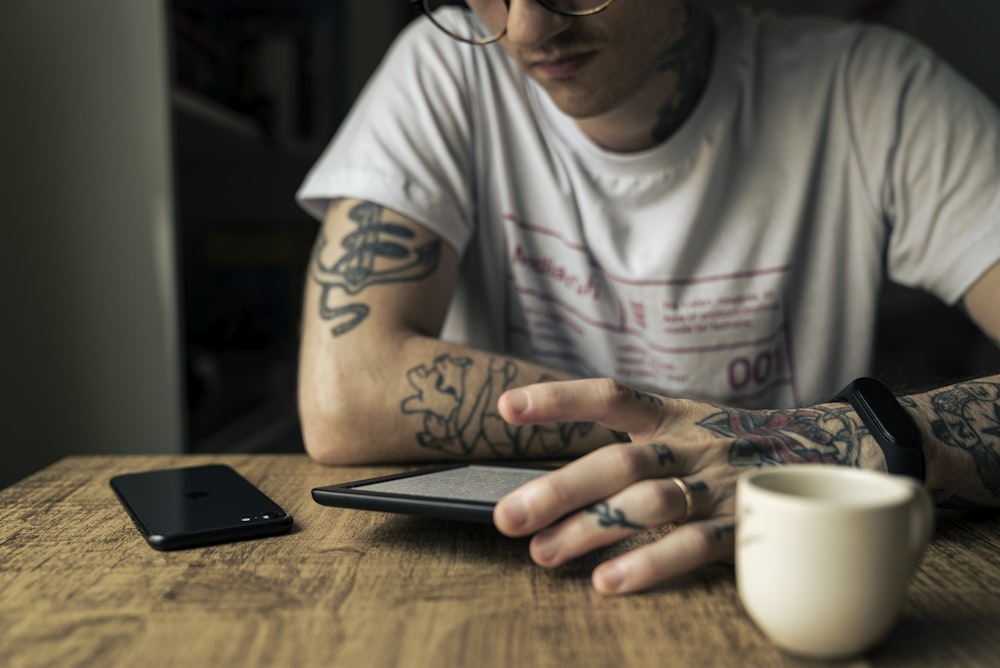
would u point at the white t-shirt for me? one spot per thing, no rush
(740, 260)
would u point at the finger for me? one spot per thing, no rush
(681, 551)
(601, 400)
(594, 477)
(646, 504)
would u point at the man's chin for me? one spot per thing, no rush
(579, 107)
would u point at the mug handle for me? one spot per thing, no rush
(921, 523)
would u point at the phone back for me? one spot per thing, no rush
(184, 507)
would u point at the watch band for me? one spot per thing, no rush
(890, 425)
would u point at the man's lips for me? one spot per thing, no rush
(563, 66)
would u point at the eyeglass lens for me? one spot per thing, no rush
(484, 21)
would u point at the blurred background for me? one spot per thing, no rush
(152, 256)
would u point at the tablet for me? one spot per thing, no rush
(465, 492)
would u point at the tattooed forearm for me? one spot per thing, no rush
(800, 436)
(460, 417)
(609, 517)
(967, 416)
(378, 252)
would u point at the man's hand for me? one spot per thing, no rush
(680, 467)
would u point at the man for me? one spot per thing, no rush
(699, 207)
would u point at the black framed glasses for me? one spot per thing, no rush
(485, 21)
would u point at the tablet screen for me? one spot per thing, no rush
(471, 483)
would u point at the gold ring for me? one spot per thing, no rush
(688, 500)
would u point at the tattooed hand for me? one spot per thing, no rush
(622, 489)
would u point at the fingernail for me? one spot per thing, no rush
(609, 579)
(517, 400)
(544, 549)
(515, 512)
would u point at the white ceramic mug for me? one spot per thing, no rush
(824, 554)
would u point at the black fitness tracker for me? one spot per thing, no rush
(891, 426)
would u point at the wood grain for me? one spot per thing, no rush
(80, 587)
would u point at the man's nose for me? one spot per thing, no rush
(530, 24)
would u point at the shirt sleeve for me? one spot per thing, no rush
(406, 142)
(929, 143)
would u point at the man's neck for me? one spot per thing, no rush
(659, 110)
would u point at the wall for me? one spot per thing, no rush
(87, 273)
(377, 23)
(963, 32)
(90, 324)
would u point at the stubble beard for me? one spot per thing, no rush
(596, 93)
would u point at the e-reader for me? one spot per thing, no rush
(464, 492)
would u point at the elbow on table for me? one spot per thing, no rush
(337, 442)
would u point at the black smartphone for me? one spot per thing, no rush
(199, 505)
(465, 492)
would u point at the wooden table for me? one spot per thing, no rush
(80, 587)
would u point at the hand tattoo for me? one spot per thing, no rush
(664, 454)
(378, 252)
(800, 436)
(698, 486)
(609, 517)
(725, 530)
(646, 397)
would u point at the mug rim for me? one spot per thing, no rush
(887, 489)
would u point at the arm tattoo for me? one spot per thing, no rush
(800, 436)
(463, 420)
(609, 517)
(968, 417)
(378, 252)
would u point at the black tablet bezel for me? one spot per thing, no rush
(346, 495)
